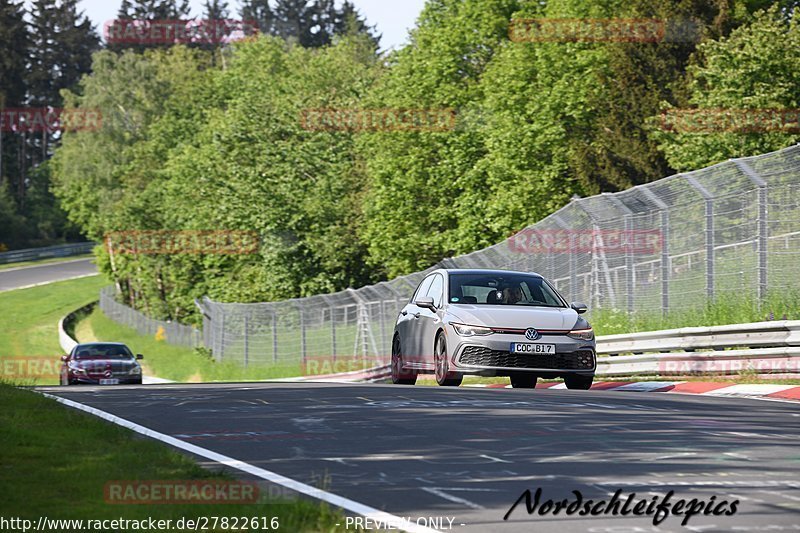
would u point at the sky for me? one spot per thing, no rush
(393, 17)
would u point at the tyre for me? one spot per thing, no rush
(444, 376)
(524, 381)
(400, 376)
(578, 382)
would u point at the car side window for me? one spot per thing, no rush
(436, 289)
(422, 290)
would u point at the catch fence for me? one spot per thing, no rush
(733, 228)
(169, 332)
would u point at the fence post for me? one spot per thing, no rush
(302, 333)
(333, 331)
(221, 336)
(629, 265)
(331, 311)
(274, 337)
(665, 270)
(246, 347)
(573, 267)
(709, 201)
(762, 226)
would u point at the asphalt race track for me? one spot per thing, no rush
(468, 454)
(15, 278)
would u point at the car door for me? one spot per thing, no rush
(408, 324)
(429, 321)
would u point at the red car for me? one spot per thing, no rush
(101, 363)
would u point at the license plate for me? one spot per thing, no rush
(109, 382)
(524, 347)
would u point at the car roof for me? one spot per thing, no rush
(487, 271)
(98, 343)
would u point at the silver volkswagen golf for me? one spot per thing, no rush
(492, 323)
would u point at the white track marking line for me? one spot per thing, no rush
(495, 459)
(749, 390)
(333, 499)
(440, 492)
(645, 386)
(674, 456)
(782, 495)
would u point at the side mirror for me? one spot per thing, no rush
(579, 307)
(426, 302)
(64, 358)
(139, 356)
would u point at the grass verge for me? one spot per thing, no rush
(177, 363)
(57, 461)
(28, 324)
(726, 309)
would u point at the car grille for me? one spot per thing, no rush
(481, 356)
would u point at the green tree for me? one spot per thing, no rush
(144, 13)
(756, 68)
(14, 50)
(310, 23)
(424, 199)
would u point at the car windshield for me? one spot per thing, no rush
(103, 351)
(503, 289)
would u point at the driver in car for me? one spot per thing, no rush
(512, 295)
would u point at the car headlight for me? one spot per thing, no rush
(582, 334)
(77, 369)
(471, 331)
(136, 370)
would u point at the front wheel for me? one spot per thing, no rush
(444, 377)
(400, 376)
(523, 381)
(578, 382)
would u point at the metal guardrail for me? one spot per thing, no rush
(762, 347)
(32, 254)
(65, 340)
(753, 335)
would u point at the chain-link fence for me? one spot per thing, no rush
(733, 228)
(170, 332)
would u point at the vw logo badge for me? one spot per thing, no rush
(531, 334)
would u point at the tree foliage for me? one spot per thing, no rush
(756, 69)
(190, 143)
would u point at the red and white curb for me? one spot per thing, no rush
(706, 388)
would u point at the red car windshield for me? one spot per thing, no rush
(103, 351)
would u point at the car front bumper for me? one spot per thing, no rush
(491, 356)
(127, 379)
